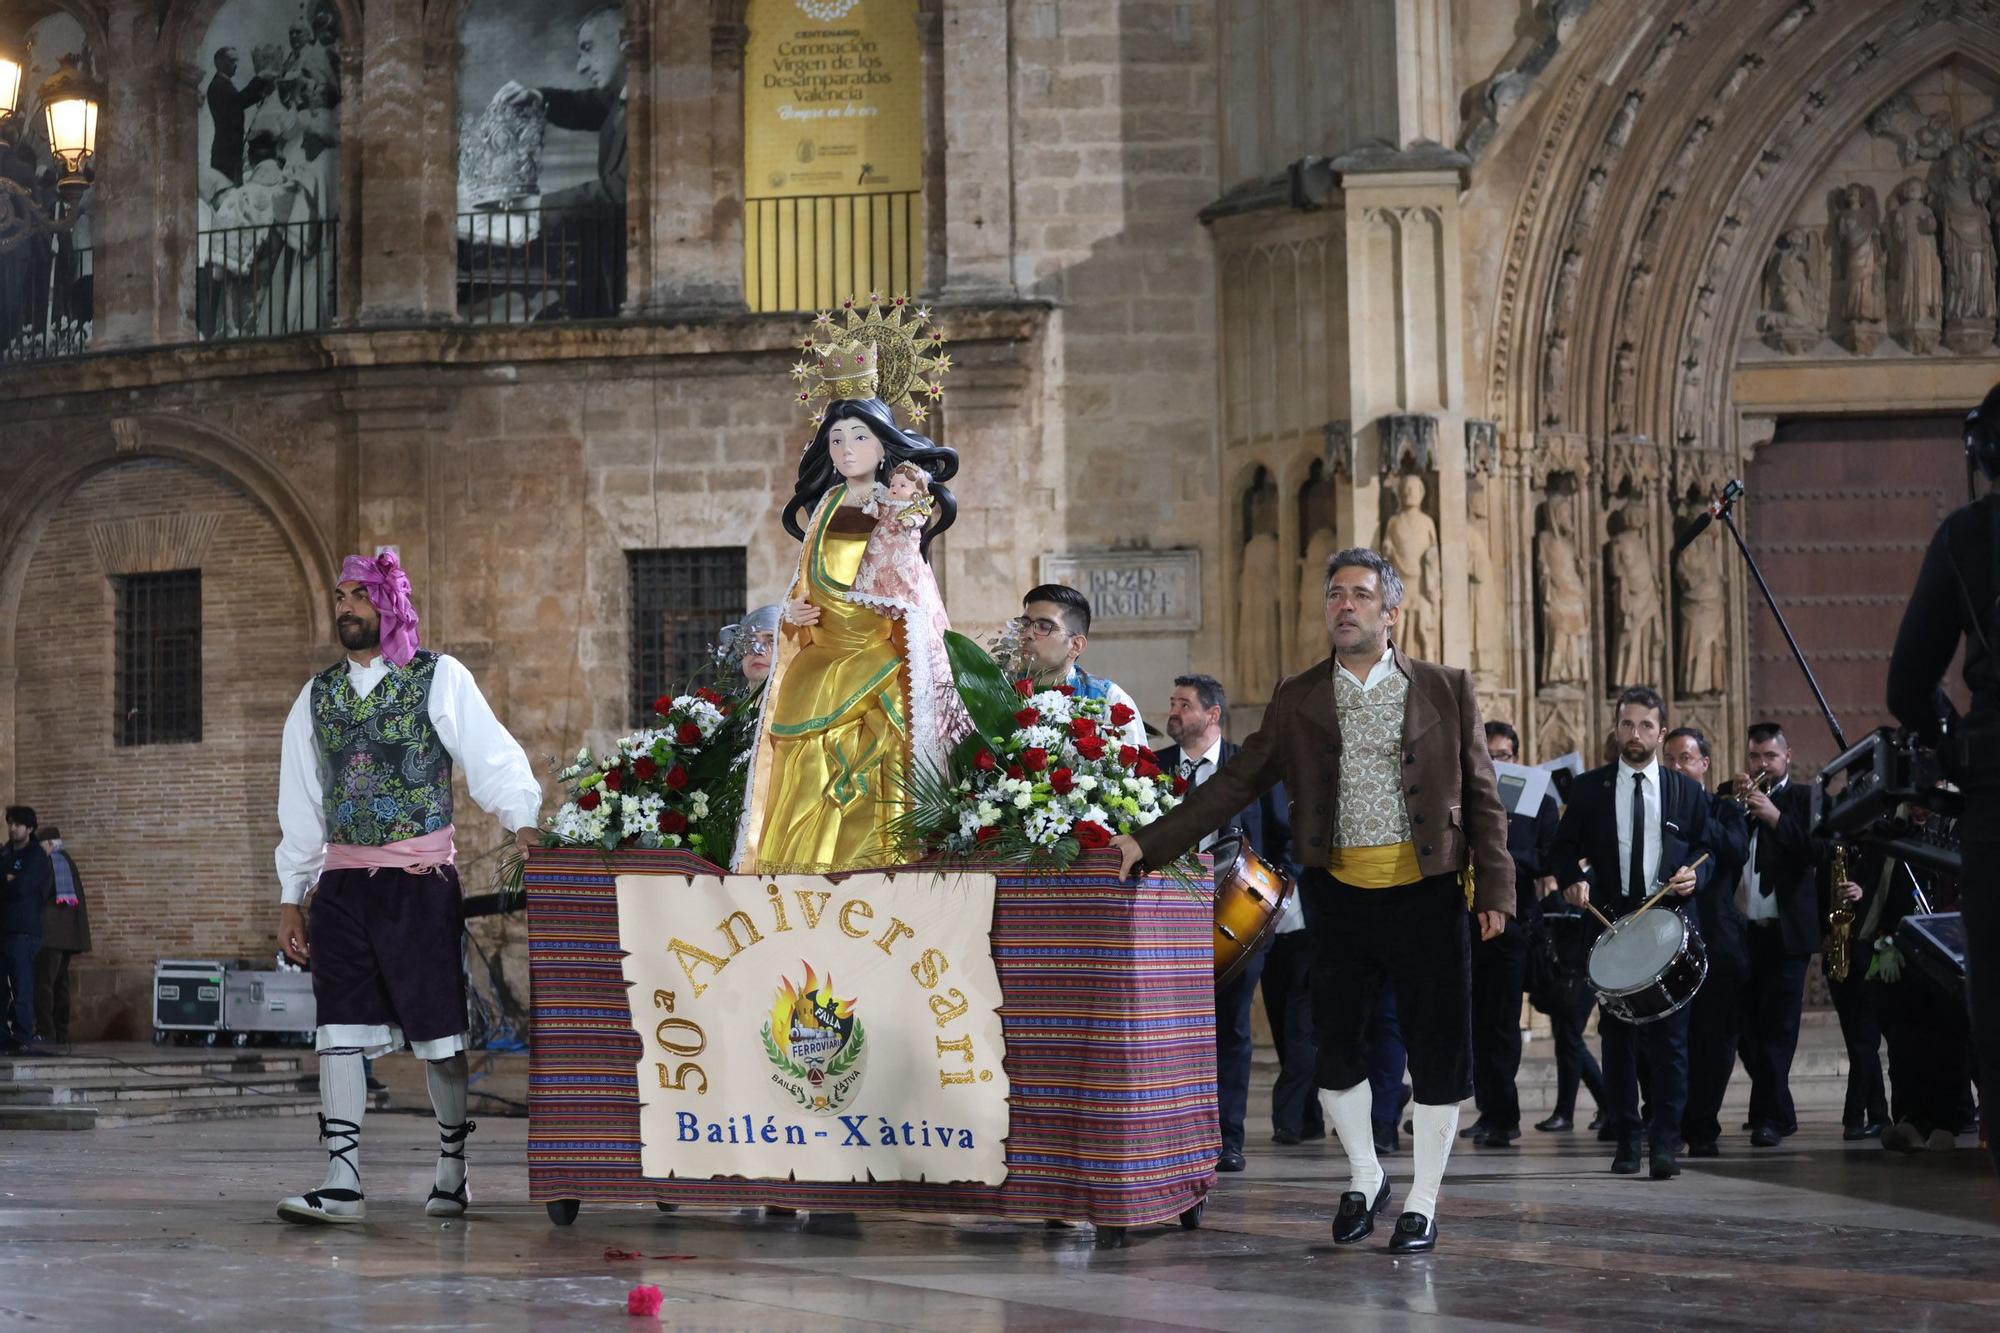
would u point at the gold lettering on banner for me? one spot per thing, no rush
(866, 912)
(689, 954)
(778, 907)
(728, 927)
(812, 909)
(896, 931)
(677, 1082)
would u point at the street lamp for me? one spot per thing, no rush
(10, 85)
(70, 102)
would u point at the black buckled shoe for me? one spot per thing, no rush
(1356, 1220)
(1415, 1234)
(454, 1204)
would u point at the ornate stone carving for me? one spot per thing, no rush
(1562, 309)
(1482, 447)
(1687, 402)
(1794, 316)
(1624, 381)
(1631, 464)
(1918, 138)
(1963, 194)
(1409, 442)
(1738, 75)
(1704, 611)
(1789, 22)
(1410, 540)
(1916, 278)
(1691, 146)
(1859, 247)
(1338, 439)
(1565, 601)
(1592, 196)
(1620, 132)
(1309, 642)
(1257, 634)
(1635, 584)
(1555, 377)
(1558, 452)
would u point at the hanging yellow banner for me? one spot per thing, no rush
(832, 98)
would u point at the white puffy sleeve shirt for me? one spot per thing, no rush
(496, 769)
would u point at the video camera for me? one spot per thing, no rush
(1869, 793)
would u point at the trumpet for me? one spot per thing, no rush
(1740, 794)
(1839, 921)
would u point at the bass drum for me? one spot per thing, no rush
(1250, 899)
(1647, 966)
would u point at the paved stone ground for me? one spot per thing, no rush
(173, 1228)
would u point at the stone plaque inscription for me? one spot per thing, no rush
(1133, 590)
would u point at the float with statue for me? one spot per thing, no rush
(847, 939)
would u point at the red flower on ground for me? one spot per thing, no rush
(1028, 717)
(1024, 688)
(1180, 786)
(673, 821)
(987, 834)
(644, 1300)
(664, 704)
(1122, 715)
(677, 777)
(1090, 747)
(1062, 781)
(1081, 727)
(1034, 759)
(689, 734)
(1090, 833)
(643, 768)
(615, 779)
(1128, 755)
(590, 800)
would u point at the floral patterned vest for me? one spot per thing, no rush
(386, 774)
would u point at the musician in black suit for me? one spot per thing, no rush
(1196, 714)
(1779, 895)
(1857, 1001)
(1638, 825)
(1500, 968)
(1716, 1012)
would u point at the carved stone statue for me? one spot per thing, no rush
(1916, 279)
(1487, 596)
(1624, 378)
(1687, 403)
(1563, 308)
(1861, 295)
(1794, 318)
(1565, 602)
(1555, 376)
(1968, 252)
(1410, 540)
(1257, 630)
(1620, 132)
(1918, 138)
(1698, 577)
(1635, 583)
(1309, 639)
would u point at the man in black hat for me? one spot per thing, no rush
(26, 883)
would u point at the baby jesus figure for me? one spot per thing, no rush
(894, 578)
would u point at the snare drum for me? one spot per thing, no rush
(1250, 898)
(1647, 966)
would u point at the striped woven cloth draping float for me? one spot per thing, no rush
(1108, 1010)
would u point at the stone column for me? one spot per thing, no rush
(978, 190)
(1405, 347)
(391, 175)
(686, 147)
(136, 238)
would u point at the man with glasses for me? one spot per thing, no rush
(1054, 629)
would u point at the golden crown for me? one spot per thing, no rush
(891, 352)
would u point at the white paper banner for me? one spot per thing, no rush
(795, 1027)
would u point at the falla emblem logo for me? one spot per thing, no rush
(816, 1046)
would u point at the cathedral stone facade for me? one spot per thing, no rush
(1507, 290)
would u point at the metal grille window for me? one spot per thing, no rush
(159, 658)
(679, 600)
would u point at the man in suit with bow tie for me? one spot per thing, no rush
(1630, 827)
(1393, 801)
(1197, 711)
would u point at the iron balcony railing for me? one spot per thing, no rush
(45, 299)
(522, 265)
(265, 280)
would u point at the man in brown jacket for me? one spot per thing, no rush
(1392, 801)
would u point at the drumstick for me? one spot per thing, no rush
(1599, 915)
(1692, 865)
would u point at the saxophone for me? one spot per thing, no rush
(1840, 921)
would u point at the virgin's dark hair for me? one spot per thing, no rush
(817, 475)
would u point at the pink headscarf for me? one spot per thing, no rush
(388, 590)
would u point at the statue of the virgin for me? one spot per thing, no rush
(861, 693)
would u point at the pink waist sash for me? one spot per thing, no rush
(419, 856)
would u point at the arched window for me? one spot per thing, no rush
(541, 161)
(269, 169)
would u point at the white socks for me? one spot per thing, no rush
(1349, 1111)
(1432, 1129)
(447, 1080)
(343, 1097)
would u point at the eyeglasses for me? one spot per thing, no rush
(1040, 626)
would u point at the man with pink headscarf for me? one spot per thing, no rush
(370, 892)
